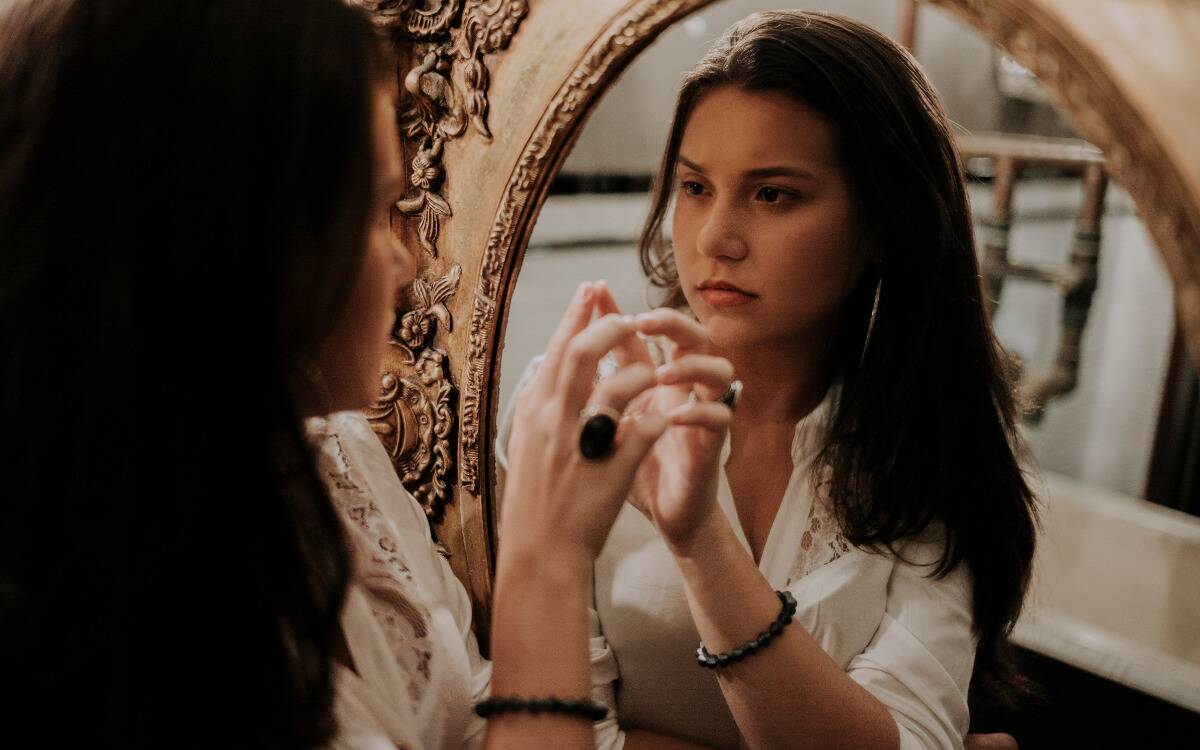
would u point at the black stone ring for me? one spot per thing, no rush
(732, 394)
(597, 431)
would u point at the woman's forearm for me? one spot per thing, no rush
(539, 647)
(790, 694)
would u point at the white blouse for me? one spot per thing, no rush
(407, 620)
(904, 636)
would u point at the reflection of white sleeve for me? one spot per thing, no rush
(604, 677)
(604, 664)
(504, 431)
(919, 662)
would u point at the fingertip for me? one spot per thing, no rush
(604, 297)
(644, 319)
(621, 320)
(707, 414)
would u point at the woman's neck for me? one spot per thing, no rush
(780, 385)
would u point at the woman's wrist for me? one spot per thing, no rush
(703, 537)
(554, 567)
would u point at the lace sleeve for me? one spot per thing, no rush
(351, 472)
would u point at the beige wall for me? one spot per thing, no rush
(627, 132)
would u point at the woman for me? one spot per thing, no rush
(196, 254)
(822, 248)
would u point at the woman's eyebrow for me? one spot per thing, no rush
(782, 170)
(778, 170)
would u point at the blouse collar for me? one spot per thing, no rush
(813, 428)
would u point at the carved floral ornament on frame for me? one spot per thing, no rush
(447, 88)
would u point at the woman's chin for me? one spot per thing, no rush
(729, 334)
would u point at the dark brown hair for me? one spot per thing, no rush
(175, 179)
(925, 429)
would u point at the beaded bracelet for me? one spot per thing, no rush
(710, 661)
(584, 709)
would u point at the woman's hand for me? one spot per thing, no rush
(556, 501)
(676, 486)
(558, 509)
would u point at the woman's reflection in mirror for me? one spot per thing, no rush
(822, 245)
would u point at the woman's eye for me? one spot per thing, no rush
(691, 188)
(770, 194)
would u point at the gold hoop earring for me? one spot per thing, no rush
(871, 324)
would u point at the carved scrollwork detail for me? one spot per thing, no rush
(414, 414)
(428, 309)
(414, 417)
(487, 27)
(414, 22)
(453, 36)
(447, 88)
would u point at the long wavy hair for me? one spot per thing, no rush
(184, 196)
(925, 429)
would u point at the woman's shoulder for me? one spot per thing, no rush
(923, 549)
(919, 566)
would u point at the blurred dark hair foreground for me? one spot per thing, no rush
(174, 178)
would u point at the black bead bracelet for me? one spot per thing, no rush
(788, 609)
(584, 709)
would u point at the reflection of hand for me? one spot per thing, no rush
(676, 486)
(556, 502)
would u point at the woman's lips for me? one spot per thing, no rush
(719, 294)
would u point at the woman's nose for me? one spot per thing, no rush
(723, 234)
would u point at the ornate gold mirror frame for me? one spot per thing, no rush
(493, 95)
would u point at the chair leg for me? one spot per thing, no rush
(906, 35)
(995, 243)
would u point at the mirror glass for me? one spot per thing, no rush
(1105, 439)
(1101, 432)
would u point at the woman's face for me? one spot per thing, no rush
(351, 356)
(767, 235)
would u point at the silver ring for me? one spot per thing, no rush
(597, 430)
(732, 394)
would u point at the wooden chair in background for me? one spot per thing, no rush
(1011, 154)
